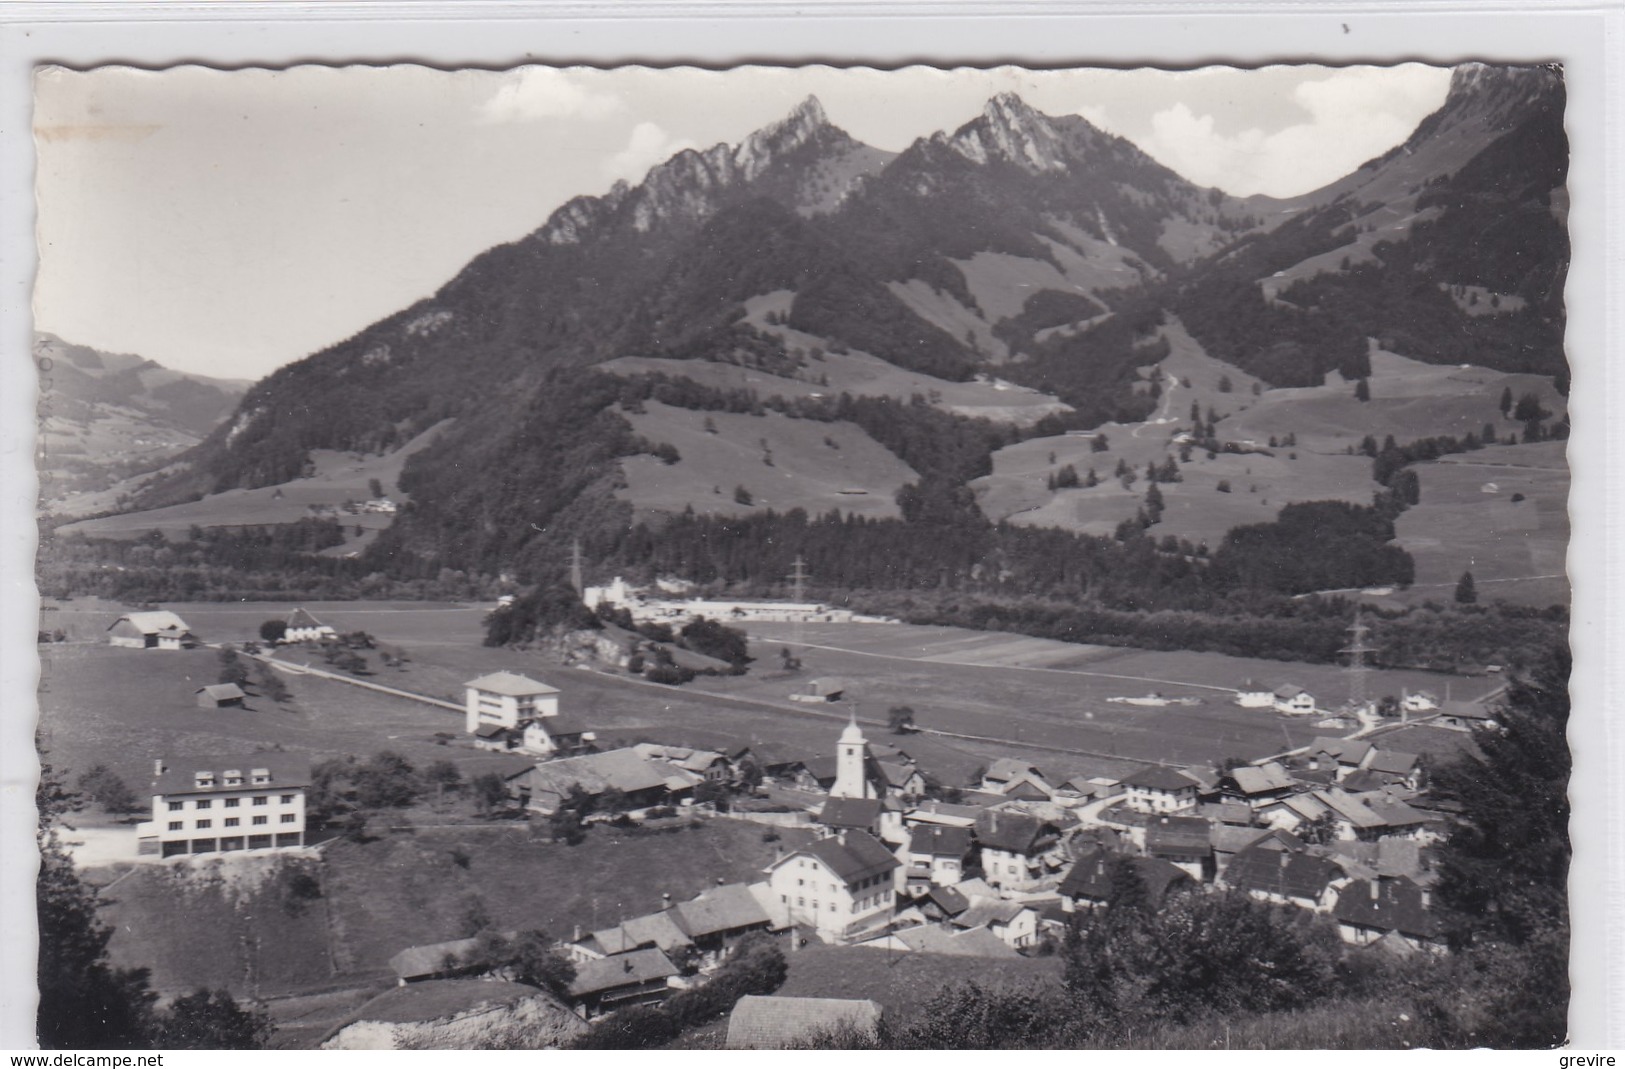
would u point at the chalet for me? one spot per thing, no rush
(1015, 923)
(508, 700)
(157, 630)
(637, 978)
(1420, 702)
(821, 690)
(303, 627)
(225, 804)
(554, 735)
(718, 918)
(1293, 812)
(840, 886)
(850, 814)
(1018, 850)
(1464, 716)
(1396, 768)
(1228, 841)
(1235, 814)
(220, 696)
(1155, 789)
(1258, 786)
(779, 1022)
(1396, 910)
(936, 857)
(903, 779)
(1088, 882)
(709, 765)
(1293, 699)
(1338, 756)
(1253, 695)
(1184, 842)
(545, 786)
(659, 930)
(1007, 771)
(944, 814)
(940, 903)
(1272, 870)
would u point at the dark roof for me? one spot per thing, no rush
(1158, 778)
(820, 767)
(1189, 838)
(595, 773)
(1238, 813)
(775, 1022)
(1291, 874)
(1090, 876)
(286, 771)
(1393, 762)
(939, 840)
(617, 970)
(948, 900)
(1388, 905)
(861, 856)
(728, 908)
(1009, 768)
(1018, 833)
(490, 731)
(557, 726)
(850, 812)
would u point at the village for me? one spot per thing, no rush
(873, 849)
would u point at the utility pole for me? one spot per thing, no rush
(1357, 667)
(575, 567)
(798, 594)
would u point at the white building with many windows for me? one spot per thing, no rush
(507, 700)
(842, 886)
(222, 804)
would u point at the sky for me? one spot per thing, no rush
(229, 222)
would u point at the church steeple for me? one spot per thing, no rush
(852, 760)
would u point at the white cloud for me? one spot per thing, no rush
(648, 145)
(532, 93)
(1355, 115)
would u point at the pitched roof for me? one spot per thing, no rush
(558, 726)
(948, 899)
(284, 772)
(945, 813)
(1349, 808)
(511, 684)
(658, 930)
(1251, 686)
(1159, 778)
(1394, 905)
(222, 691)
(775, 1022)
(861, 856)
(821, 766)
(1269, 777)
(1347, 751)
(1392, 762)
(153, 623)
(850, 812)
(1090, 876)
(1187, 838)
(968, 943)
(1292, 874)
(1227, 812)
(897, 774)
(606, 974)
(1009, 768)
(1288, 691)
(429, 958)
(1015, 832)
(1229, 840)
(728, 908)
(939, 841)
(1306, 806)
(622, 770)
(984, 913)
(490, 731)
(302, 618)
(1465, 710)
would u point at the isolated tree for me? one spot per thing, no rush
(444, 776)
(742, 496)
(1066, 478)
(1225, 386)
(1091, 479)
(1362, 390)
(270, 683)
(1223, 486)
(386, 781)
(1153, 504)
(232, 668)
(565, 826)
(102, 786)
(1529, 409)
(488, 791)
(212, 1020)
(1466, 590)
(1099, 444)
(375, 488)
(273, 630)
(900, 718)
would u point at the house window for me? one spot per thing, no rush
(785, 899)
(287, 799)
(800, 901)
(204, 803)
(262, 800)
(203, 824)
(234, 777)
(176, 825)
(232, 822)
(288, 818)
(176, 807)
(801, 883)
(262, 775)
(231, 803)
(259, 820)
(832, 907)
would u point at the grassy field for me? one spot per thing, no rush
(337, 478)
(901, 983)
(782, 463)
(1467, 520)
(237, 926)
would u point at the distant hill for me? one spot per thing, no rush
(108, 416)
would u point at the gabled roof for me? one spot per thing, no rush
(558, 726)
(1270, 777)
(1364, 779)
(850, 812)
(945, 813)
(617, 970)
(1016, 833)
(776, 1022)
(437, 1000)
(490, 731)
(1288, 691)
(861, 856)
(222, 691)
(1238, 813)
(1291, 874)
(969, 943)
(728, 908)
(898, 774)
(1029, 789)
(428, 959)
(821, 766)
(1387, 905)
(939, 841)
(1230, 840)
(302, 618)
(1251, 686)
(1392, 762)
(511, 684)
(1349, 808)
(286, 771)
(1008, 768)
(1347, 751)
(1159, 778)
(156, 622)
(948, 899)
(658, 930)
(622, 770)
(1465, 710)
(1089, 877)
(1188, 838)
(985, 913)
(1306, 806)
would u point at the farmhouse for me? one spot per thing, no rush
(159, 630)
(1258, 786)
(1184, 842)
(1369, 911)
(1280, 869)
(1018, 850)
(543, 787)
(637, 978)
(1155, 789)
(1254, 695)
(936, 857)
(777, 1022)
(220, 696)
(555, 735)
(1088, 882)
(1293, 699)
(255, 802)
(1007, 771)
(303, 627)
(431, 961)
(1464, 716)
(1014, 923)
(840, 886)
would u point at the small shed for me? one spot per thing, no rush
(220, 696)
(826, 689)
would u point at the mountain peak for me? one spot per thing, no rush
(1010, 129)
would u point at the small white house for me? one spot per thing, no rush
(1290, 698)
(1254, 695)
(158, 630)
(1155, 789)
(1420, 702)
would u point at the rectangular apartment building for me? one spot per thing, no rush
(219, 805)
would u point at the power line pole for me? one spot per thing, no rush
(798, 593)
(1357, 667)
(575, 567)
